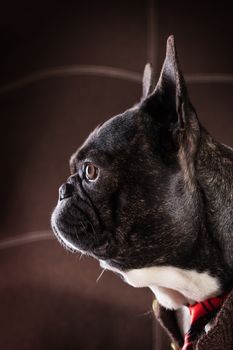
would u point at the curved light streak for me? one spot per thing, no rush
(30, 237)
(105, 71)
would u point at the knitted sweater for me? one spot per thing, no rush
(219, 337)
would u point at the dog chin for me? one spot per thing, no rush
(60, 233)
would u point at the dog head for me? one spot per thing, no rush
(132, 195)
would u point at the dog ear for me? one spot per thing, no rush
(171, 114)
(147, 80)
(168, 103)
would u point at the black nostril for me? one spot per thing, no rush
(65, 191)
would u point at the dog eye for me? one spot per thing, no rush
(91, 172)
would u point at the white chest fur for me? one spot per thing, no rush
(173, 287)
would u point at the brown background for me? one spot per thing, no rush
(50, 298)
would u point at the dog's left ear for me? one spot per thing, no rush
(170, 111)
(170, 91)
(171, 85)
(168, 104)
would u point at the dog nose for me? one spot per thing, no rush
(65, 191)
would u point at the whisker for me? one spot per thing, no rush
(147, 313)
(101, 274)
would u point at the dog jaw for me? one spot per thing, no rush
(59, 235)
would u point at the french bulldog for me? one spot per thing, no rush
(151, 197)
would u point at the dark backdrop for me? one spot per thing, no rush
(65, 67)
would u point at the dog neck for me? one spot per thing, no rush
(173, 287)
(214, 173)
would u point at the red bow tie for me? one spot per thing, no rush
(201, 313)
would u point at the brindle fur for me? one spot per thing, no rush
(164, 195)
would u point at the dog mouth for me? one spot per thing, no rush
(76, 226)
(66, 244)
